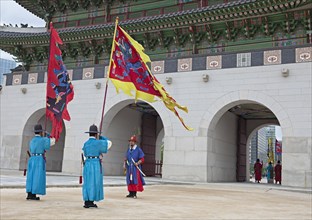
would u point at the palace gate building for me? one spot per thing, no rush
(238, 65)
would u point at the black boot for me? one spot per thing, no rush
(31, 196)
(87, 204)
(134, 195)
(35, 197)
(130, 195)
(92, 204)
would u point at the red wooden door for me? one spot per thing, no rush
(148, 143)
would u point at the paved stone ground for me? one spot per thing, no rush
(163, 201)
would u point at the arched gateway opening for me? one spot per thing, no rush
(265, 144)
(228, 136)
(54, 157)
(126, 119)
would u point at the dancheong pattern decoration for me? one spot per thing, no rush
(166, 28)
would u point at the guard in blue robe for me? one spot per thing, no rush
(270, 172)
(132, 163)
(92, 189)
(36, 175)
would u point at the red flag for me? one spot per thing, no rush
(59, 88)
(129, 72)
(278, 147)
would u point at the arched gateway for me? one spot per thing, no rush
(54, 157)
(232, 119)
(236, 65)
(125, 119)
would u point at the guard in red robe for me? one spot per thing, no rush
(132, 163)
(258, 170)
(278, 172)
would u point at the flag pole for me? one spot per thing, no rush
(46, 116)
(109, 67)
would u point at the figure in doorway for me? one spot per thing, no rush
(278, 172)
(36, 175)
(258, 171)
(269, 170)
(132, 165)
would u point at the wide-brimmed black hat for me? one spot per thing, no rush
(93, 130)
(38, 128)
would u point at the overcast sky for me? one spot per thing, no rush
(13, 13)
(278, 133)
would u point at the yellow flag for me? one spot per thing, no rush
(128, 72)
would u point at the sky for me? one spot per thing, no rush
(13, 13)
(278, 133)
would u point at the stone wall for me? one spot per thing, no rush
(201, 155)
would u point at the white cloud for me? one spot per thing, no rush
(12, 13)
(5, 55)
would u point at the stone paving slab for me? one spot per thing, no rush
(177, 202)
(162, 199)
(16, 179)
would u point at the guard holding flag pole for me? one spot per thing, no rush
(132, 164)
(92, 189)
(36, 175)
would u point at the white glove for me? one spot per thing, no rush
(52, 141)
(109, 143)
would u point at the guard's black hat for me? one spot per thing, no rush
(38, 128)
(93, 130)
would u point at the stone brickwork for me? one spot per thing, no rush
(208, 153)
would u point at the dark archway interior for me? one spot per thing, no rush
(150, 129)
(143, 107)
(249, 115)
(129, 119)
(252, 111)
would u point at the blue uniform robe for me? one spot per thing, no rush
(136, 154)
(92, 189)
(269, 171)
(36, 175)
